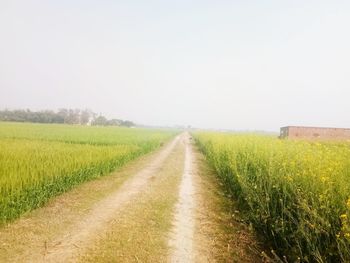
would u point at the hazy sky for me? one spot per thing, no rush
(254, 65)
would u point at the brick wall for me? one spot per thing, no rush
(295, 132)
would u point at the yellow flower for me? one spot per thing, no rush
(324, 179)
(343, 217)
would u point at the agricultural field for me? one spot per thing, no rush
(296, 194)
(39, 161)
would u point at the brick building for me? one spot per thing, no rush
(300, 132)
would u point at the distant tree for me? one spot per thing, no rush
(30, 116)
(85, 116)
(63, 115)
(100, 120)
(115, 122)
(68, 116)
(127, 123)
(73, 116)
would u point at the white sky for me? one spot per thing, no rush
(254, 65)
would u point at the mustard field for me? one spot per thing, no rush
(296, 194)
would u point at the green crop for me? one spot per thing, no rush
(296, 193)
(39, 161)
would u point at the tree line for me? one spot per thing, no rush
(67, 116)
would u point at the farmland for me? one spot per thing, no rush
(39, 161)
(296, 194)
(150, 209)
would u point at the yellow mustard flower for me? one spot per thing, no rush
(343, 217)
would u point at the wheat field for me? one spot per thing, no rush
(39, 161)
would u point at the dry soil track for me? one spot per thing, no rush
(66, 228)
(182, 236)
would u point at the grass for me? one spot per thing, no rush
(295, 193)
(39, 161)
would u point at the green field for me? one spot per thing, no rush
(39, 161)
(296, 194)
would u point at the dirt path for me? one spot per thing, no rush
(85, 232)
(181, 241)
(165, 207)
(206, 226)
(140, 232)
